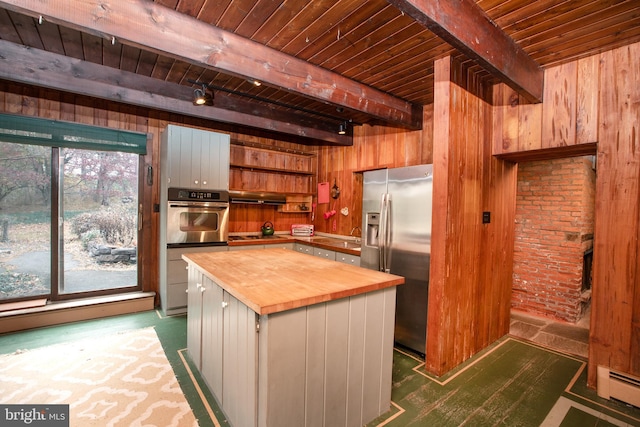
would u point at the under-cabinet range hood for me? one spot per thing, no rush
(257, 198)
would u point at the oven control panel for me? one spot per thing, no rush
(187, 195)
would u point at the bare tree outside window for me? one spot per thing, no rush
(97, 223)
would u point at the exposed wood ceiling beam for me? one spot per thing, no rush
(45, 69)
(150, 26)
(465, 26)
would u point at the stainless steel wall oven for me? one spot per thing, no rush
(197, 217)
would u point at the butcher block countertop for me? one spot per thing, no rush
(273, 280)
(318, 241)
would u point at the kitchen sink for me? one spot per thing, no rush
(351, 245)
(347, 244)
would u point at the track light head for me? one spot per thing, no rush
(342, 128)
(201, 97)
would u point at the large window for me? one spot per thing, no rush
(25, 221)
(68, 214)
(98, 206)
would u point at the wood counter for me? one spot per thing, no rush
(273, 280)
(287, 339)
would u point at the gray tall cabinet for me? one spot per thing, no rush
(195, 159)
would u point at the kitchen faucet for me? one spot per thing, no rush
(354, 229)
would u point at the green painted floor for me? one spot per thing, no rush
(512, 383)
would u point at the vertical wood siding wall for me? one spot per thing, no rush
(615, 314)
(471, 262)
(567, 119)
(593, 102)
(250, 218)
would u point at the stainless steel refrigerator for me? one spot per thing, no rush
(396, 238)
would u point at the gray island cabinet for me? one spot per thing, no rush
(284, 339)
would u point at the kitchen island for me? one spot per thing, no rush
(284, 338)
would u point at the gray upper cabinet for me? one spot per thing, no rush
(195, 158)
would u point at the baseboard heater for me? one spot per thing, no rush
(619, 386)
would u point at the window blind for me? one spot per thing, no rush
(37, 131)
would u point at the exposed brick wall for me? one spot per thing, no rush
(554, 227)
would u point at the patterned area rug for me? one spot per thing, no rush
(119, 380)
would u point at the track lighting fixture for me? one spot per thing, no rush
(201, 97)
(200, 94)
(342, 128)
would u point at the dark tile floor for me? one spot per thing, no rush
(563, 337)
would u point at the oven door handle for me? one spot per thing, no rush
(199, 205)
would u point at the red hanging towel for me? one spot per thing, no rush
(323, 192)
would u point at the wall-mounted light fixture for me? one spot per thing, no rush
(201, 97)
(255, 82)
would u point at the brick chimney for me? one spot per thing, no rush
(555, 207)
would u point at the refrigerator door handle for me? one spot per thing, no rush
(385, 232)
(382, 233)
(387, 236)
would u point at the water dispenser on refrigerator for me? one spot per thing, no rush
(371, 229)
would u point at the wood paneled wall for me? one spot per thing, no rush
(567, 120)
(615, 311)
(374, 147)
(250, 218)
(246, 218)
(593, 105)
(471, 262)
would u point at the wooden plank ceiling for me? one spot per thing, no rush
(322, 62)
